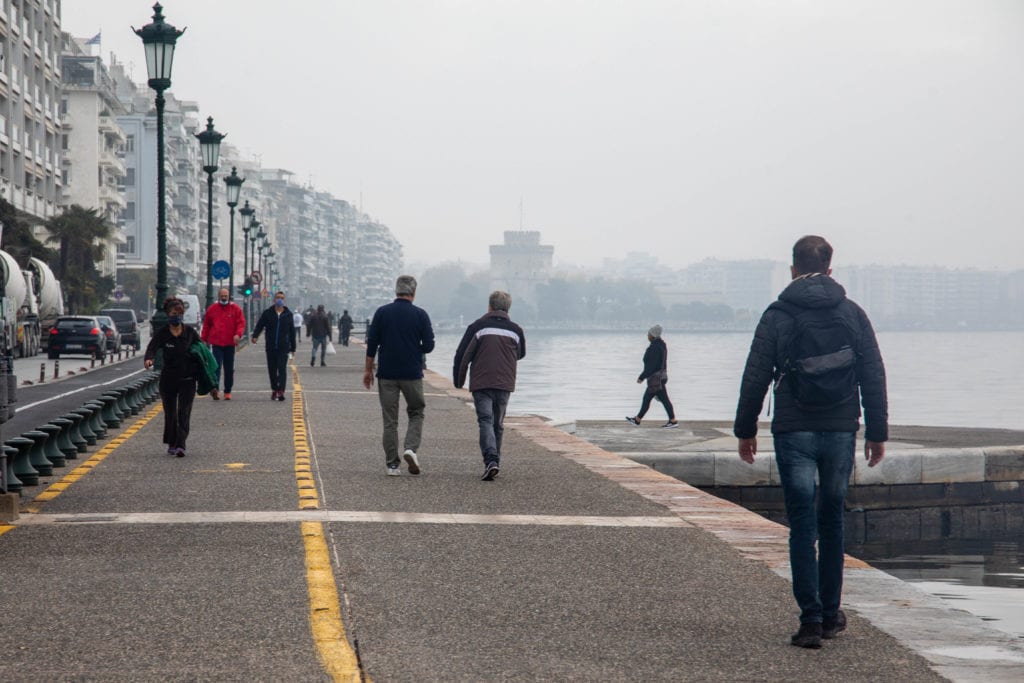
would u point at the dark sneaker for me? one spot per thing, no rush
(273, 396)
(323, 364)
(179, 452)
(633, 421)
(171, 450)
(831, 627)
(280, 396)
(808, 636)
(311, 362)
(490, 472)
(215, 394)
(670, 425)
(411, 461)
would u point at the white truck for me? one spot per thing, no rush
(25, 311)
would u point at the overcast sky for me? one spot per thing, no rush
(687, 129)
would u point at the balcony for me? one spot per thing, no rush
(109, 159)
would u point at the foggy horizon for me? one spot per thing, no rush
(684, 130)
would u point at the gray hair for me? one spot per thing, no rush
(405, 285)
(500, 301)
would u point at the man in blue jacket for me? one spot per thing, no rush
(818, 397)
(280, 327)
(400, 335)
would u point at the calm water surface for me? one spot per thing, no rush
(948, 379)
(968, 379)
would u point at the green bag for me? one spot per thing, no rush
(207, 380)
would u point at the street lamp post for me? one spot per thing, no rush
(246, 211)
(209, 145)
(159, 39)
(234, 188)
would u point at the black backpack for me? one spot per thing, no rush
(820, 361)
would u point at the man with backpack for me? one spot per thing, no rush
(820, 351)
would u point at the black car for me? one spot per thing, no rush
(127, 325)
(76, 335)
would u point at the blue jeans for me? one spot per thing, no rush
(322, 343)
(817, 576)
(225, 357)
(490, 416)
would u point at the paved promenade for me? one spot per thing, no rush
(278, 550)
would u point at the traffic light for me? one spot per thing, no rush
(245, 289)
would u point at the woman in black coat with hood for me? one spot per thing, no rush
(656, 374)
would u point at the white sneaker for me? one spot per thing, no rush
(394, 472)
(411, 461)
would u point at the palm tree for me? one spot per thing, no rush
(81, 235)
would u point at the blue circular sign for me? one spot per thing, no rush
(221, 270)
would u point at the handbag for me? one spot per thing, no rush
(331, 351)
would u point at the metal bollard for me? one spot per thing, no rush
(56, 369)
(53, 453)
(92, 360)
(64, 444)
(23, 469)
(13, 484)
(42, 372)
(37, 453)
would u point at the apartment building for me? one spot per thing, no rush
(30, 125)
(92, 172)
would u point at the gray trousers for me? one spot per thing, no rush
(388, 390)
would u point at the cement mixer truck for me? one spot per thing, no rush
(29, 299)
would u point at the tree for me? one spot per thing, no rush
(81, 235)
(18, 240)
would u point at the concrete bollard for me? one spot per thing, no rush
(75, 432)
(53, 454)
(83, 426)
(37, 454)
(64, 444)
(23, 469)
(14, 484)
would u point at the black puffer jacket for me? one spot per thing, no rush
(766, 355)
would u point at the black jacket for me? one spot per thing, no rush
(318, 326)
(280, 335)
(771, 340)
(402, 333)
(655, 358)
(493, 345)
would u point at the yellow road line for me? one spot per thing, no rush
(325, 622)
(58, 487)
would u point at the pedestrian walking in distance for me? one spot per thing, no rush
(399, 337)
(344, 327)
(297, 320)
(820, 351)
(656, 373)
(489, 353)
(319, 328)
(279, 324)
(179, 373)
(223, 328)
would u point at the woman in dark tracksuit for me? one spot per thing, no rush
(656, 374)
(179, 373)
(280, 327)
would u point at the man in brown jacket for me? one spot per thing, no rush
(492, 345)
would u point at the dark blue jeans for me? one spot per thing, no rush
(225, 357)
(490, 416)
(817, 576)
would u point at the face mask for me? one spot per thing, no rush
(279, 302)
(223, 302)
(174, 320)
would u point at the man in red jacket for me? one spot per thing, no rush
(223, 327)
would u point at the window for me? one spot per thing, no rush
(129, 212)
(129, 177)
(129, 244)
(63, 106)
(64, 142)
(129, 143)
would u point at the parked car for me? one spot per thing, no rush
(127, 325)
(193, 311)
(113, 335)
(78, 335)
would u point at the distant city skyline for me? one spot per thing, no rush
(690, 130)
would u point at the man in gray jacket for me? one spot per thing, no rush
(492, 345)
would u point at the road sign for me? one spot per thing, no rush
(118, 295)
(256, 276)
(265, 293)
(221, 270)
